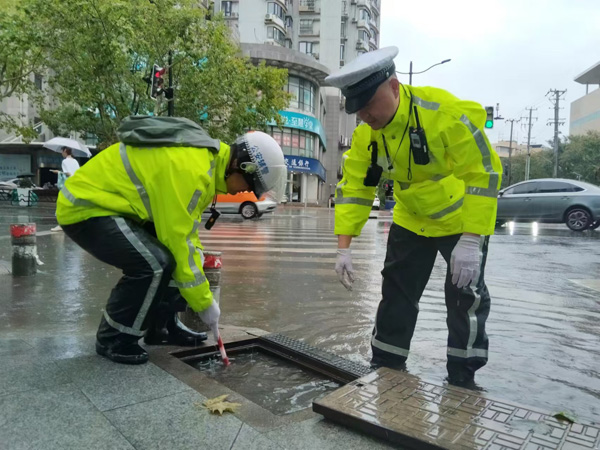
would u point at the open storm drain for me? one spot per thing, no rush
(280, 374)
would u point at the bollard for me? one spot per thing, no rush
(212, 269)
(24, 249)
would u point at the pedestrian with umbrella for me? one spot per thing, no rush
(67, 147)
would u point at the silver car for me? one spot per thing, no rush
(551, 200)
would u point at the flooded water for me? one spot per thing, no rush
(273, 383)
(278, 275)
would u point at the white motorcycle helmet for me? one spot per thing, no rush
(260, 160)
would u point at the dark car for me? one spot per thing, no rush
(551, 200)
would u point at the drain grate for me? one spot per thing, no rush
(352, 369)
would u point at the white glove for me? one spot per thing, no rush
(465, 261)
(210, 316)
(343, 266)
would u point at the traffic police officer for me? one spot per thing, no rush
(137, 206)
(446, 178)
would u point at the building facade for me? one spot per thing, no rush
(585, 111)
(329, 33)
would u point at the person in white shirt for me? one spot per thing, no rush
(69, 167)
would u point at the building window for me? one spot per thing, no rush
(306, 47)
(343, 30)
(277, 35)
(277, 9)
(306, 26)
(363, 35)
(342, 52)
(39, 81)
(294, 142)
(226, 8)
(364, 14)
(308, 4)
(303, 94)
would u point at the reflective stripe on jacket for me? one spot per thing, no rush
(169, 186)
(455, 192)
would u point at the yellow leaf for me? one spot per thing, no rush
(219, 405)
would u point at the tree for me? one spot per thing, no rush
(581, 158)
(19, 60)
(98, 52)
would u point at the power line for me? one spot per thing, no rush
(556, 122)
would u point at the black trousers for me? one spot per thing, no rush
(142, 295)
(408, 265)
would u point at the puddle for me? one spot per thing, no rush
(273, 383)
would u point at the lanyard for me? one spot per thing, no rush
(387, 154)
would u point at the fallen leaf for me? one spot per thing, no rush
(565, 416)
(219, 405)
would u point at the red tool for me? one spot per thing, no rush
(221, 347)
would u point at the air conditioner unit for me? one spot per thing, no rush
(359, 44)
(315, 55)
(354, 20)
(270, 18)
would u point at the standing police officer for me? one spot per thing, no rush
(446, 179)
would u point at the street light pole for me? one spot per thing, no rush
(410, 70)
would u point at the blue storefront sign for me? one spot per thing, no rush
(301, 164)
(302, 122)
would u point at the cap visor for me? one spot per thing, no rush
(358, 102)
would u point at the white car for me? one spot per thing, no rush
(9, 184)
(376, 203)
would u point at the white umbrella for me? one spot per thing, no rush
(56, 145)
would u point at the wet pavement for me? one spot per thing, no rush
(278, 276)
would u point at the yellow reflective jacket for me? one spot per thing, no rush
(455, 192)
(169, 186)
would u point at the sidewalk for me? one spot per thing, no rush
(56, 393)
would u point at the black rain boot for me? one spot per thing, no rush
(179, 334)
(171, 331)
(119, 347)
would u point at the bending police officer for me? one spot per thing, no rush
(137, 205)
(446, 178)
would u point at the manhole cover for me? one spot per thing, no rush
(416, 414)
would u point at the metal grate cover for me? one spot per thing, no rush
(356, 370)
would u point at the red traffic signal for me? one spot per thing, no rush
(157, 80)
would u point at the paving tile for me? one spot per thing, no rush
(109, 385)
(250, 439)
(31, 375)
(453, 419)
(175, 422)
(62, 347)
(324, 435)
(14, 347)
(57, 418)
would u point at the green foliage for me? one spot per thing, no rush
(581, 158)
(578, 159)
(97, 53)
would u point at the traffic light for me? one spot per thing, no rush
(157, 80)
(489, 120)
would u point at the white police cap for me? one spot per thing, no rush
(359, 79)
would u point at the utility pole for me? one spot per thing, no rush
(528, 161)
(556, 122)
(512, 121)
(169, 94)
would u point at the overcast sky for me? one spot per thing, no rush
(503, 51)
